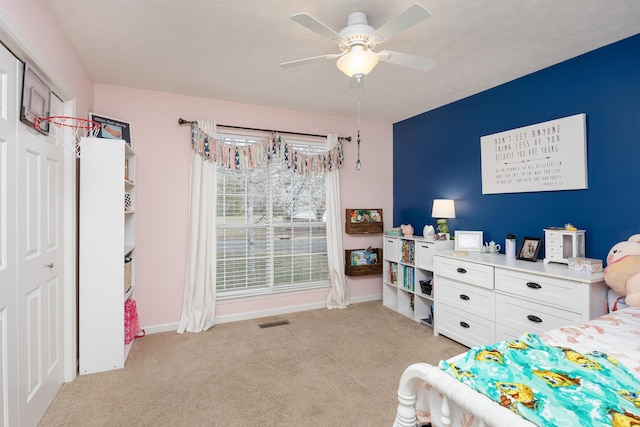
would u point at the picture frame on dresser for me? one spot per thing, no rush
(468, 240)
(529, 249)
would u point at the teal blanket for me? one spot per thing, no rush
(552, 386)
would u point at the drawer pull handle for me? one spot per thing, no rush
(424, 247)
(461, 270)
(464, 297)
(533, 285)
(464, 324)
(534, 318)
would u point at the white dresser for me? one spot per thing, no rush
(483, 298)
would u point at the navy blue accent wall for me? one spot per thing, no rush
(437, 154)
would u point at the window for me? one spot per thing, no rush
(271, 227)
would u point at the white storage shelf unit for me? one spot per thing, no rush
(107, 236)
(407, 262)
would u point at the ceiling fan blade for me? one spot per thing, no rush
(404, 59)
(309, 60)
(415, 14)
(316, 26)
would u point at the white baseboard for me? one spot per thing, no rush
(172, 327)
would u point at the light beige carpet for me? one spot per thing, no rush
(325, 368)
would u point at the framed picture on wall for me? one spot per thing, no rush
(529, 249)
(111, 128)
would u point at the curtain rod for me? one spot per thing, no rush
(182, 121)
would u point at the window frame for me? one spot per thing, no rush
(271, 227)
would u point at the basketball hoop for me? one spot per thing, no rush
(68, 131)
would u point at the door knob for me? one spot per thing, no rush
(50, 265)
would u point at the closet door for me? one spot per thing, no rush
(40, 284)
(9, 85)
(40, 270)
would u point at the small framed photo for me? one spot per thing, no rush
(36, 100)
(468, 240)
(529, 249)
(111, 128)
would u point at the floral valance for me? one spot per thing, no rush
(237, 157)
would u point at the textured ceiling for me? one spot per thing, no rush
(230, 50)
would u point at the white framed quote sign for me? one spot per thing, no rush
(547, 156)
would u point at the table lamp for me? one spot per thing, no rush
(442, 209)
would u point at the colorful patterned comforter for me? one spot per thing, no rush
(552, 385)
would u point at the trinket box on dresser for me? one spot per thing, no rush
(562, 243)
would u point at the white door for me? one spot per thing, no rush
(9, 85)
(40, 267)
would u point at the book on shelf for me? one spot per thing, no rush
(407, 251)
(393, 273)
(427, 321)
(407, 278)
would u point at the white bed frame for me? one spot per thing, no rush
(450, 403)
(457, 398)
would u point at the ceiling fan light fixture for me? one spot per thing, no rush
(358, 62)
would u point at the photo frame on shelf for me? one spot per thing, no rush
(529, 249)
(36, 100)
(111, 128)
(468, 240)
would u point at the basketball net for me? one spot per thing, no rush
(67, 132)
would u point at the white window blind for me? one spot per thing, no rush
(271, 227)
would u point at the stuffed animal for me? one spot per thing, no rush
(623, 270)
(407, 230)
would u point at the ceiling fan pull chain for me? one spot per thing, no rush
(358, 164)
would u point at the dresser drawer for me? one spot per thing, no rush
(465, 271)
(464, 327)
(565, 294)
(471, 299)
(516, 314)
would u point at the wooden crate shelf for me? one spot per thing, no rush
(362, 270)
(369, 225)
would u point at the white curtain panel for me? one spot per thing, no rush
(339, 294)
(198, 307)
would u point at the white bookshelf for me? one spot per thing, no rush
(407, 261)
(107, 235)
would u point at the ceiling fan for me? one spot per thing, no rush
(358, 39)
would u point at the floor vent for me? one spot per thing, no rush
(272, 324)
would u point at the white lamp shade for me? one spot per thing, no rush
(443, 208)
(357, 63)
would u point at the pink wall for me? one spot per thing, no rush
(53, 51)
(163, 163)
(163, 147)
